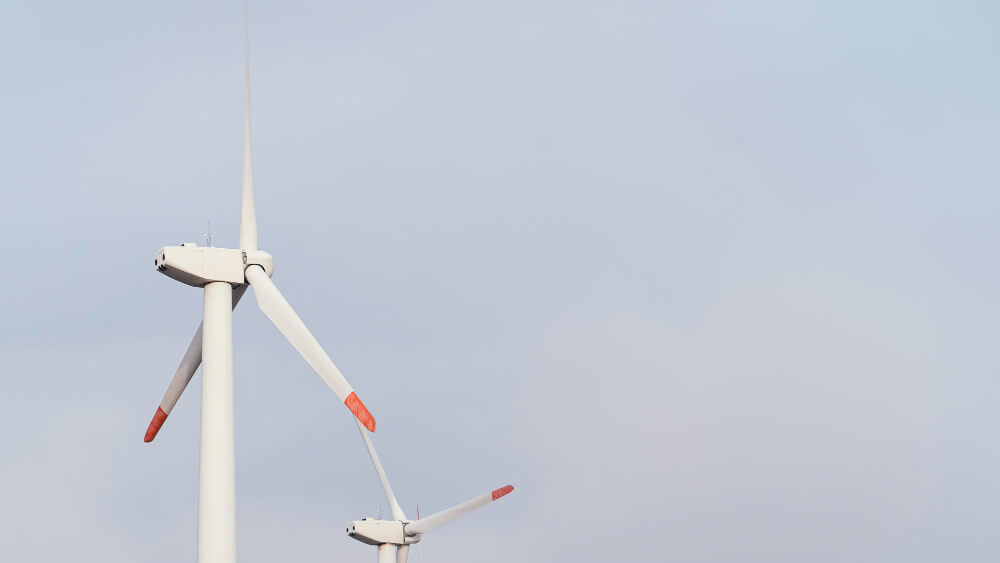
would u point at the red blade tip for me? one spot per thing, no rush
(502, 491)
(155, 425)
(359, 410)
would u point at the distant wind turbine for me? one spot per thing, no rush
(394, 537)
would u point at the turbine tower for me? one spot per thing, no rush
(225, 274)
(394, 537)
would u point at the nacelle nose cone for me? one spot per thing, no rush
(260, 258)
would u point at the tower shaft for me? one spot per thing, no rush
(217, 473)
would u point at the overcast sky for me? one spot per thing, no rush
(706, 282)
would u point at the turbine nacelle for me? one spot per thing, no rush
(200, 265)
(377, 532)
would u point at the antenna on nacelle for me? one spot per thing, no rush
(208, 235)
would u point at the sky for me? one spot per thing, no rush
(705, 281)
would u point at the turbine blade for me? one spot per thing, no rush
(276, 308)
(183, 375)
(401, 552)
(248, 214)
(439, 519)
(397, 511)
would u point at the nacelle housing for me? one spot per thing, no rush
(200, 265)
(377, 532)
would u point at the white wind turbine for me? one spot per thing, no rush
(225, 274)
(394, 537)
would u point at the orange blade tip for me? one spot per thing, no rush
(155, 425)
(502, 491)
(360, 411)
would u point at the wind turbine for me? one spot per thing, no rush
(225, 274)
(394, 537)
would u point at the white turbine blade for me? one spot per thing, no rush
(439, 519)
(401, 552)
(248, 214)
(274, 305)
(397, 511)
(183, 375)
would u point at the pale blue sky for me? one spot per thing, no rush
(706, 283)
